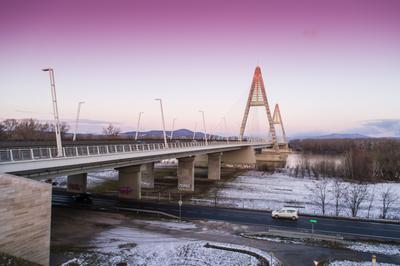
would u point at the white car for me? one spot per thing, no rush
(288, 213)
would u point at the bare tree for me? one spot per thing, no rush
(305, 165)
(371, 198)
(111, 130)
(355, 194)
(2, 130)
(387, 198)
(10, 124)
(319, 193)
(337, 191)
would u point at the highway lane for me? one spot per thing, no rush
(325, 225)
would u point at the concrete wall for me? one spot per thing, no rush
(185, 174)
(25, 217)
(77, 183)
(147, 175)
(129, 179)
(244, 156)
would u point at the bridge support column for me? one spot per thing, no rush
(77, 183)
(186, 173)
(129, 179)
(214, 166)
(147, 175)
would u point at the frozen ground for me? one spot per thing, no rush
(368, 247)
(169, 225)
(386, 249)
(259, 190)
(355, 263)
(139, 247)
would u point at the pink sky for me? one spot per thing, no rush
(330, 64)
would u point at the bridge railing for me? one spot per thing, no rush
(38, 153)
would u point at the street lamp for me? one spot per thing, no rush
(138, 124)
(163, 122)
(77, 120)
(172, 131)
(204, 127)
(55, 111)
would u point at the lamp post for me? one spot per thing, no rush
(55, 111)
(77, 120)
(163, 122)
(138, 125)
(204, 127)
(172, 131)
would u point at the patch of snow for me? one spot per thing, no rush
(375, 248)
(260, 190)
(386, 249)
(138, 247)
(169, 225)
(356, 263)
(75, 261)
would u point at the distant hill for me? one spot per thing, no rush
(341, 136)
(179, 133)
(329, 136)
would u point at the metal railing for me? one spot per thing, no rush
(39, 153)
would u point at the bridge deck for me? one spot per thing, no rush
(72, 165)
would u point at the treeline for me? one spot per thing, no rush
(332, 146)
(29, 129)
(371, 161)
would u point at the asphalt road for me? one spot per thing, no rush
(368, 230)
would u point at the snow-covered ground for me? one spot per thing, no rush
(168, 225)
(139, 247)
(386, 249)
(259, 190)
(368, 247)
(355, 263)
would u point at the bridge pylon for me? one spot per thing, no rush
(258, 97)
(277, 120)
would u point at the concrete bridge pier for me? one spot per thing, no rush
(186, 173)
(147, 175)
(214, 166)
(129, 179)
(77, 183)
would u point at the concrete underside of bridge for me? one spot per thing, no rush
(271, 158)
(237, 158)
(25, 217)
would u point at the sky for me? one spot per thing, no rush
(333, 66)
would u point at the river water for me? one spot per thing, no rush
(295, 159)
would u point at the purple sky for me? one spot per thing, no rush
(333, 66)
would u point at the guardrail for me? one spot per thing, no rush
(30, 154)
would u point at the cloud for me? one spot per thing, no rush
(378, 128)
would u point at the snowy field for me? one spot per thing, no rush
(141, 247)
(259, 190)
